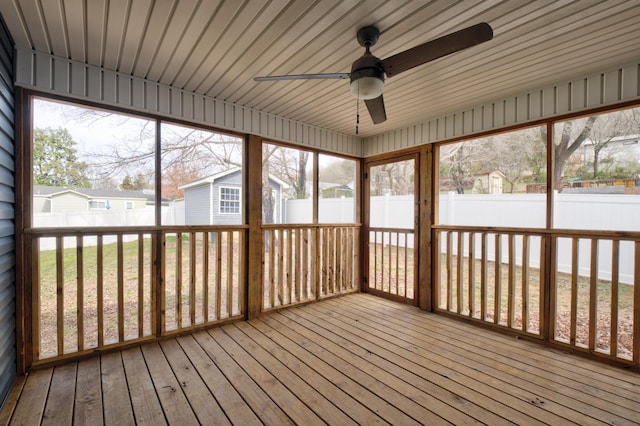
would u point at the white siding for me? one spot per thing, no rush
(7, 201)
(196, 205)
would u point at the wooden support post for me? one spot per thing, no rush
(253, 208)
(425, 256)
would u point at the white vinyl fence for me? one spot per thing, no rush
(171, 215)
(571, 211)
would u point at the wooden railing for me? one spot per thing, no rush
(574, 289)
(308, 262)
(97, 288)
(392, 269)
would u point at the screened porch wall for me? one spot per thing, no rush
(53, 74)
(598, 89)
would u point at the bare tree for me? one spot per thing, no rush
(572, 134)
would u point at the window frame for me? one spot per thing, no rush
(98, 201)
(221, 200)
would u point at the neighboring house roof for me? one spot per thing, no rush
(214, 177)
(51, 191)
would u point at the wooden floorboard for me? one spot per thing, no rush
(483, 374)
(357, 359)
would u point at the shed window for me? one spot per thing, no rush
(229, 200)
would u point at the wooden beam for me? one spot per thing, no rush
(253, 208)
(424, 256)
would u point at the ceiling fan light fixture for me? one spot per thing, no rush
(367, 88)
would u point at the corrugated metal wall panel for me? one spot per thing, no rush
(48, 73)
(595, 90)
(7, 227)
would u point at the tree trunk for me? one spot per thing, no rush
(565, 147)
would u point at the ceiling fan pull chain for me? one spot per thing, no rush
(358, 109)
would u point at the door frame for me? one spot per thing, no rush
(417, 214)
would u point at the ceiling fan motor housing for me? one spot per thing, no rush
(367, 77)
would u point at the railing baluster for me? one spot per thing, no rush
(406, 263)
(305, 287)
(192, 277)
(511, 301)
(100, 290)
(615, 265)
(483, 277)
(289, 259)
(593, 294)
(297, 296)
(449, 269)
(550, 288)
(460, 273)
(497, 302)
(141, 307)
(316, 266)
(280, 242)
(575, 250)
(230, 274)
(337, 266)
(272, 267)
(157, 271)
(326, 262)
(353, 253)
(472, 274)
(525, 283)
(332, 260)
(437, 267)
(241, 273)
(218, 275)
(636, 304)
(178, 295)
(205, 277)
(80, 295)
(375, 260)
(390, 254)
(344, 259)
(120, 268)
(60, 293)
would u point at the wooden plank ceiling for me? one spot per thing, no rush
(217, 47)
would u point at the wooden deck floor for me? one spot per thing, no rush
(354, 359)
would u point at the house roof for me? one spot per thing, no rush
(210, 179)
(217, 48)
(49, 191)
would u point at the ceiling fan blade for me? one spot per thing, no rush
(437, 48)
(376, 109)
(332, 76)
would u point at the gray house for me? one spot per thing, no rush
(217, 199)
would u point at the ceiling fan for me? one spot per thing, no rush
(367, 72)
